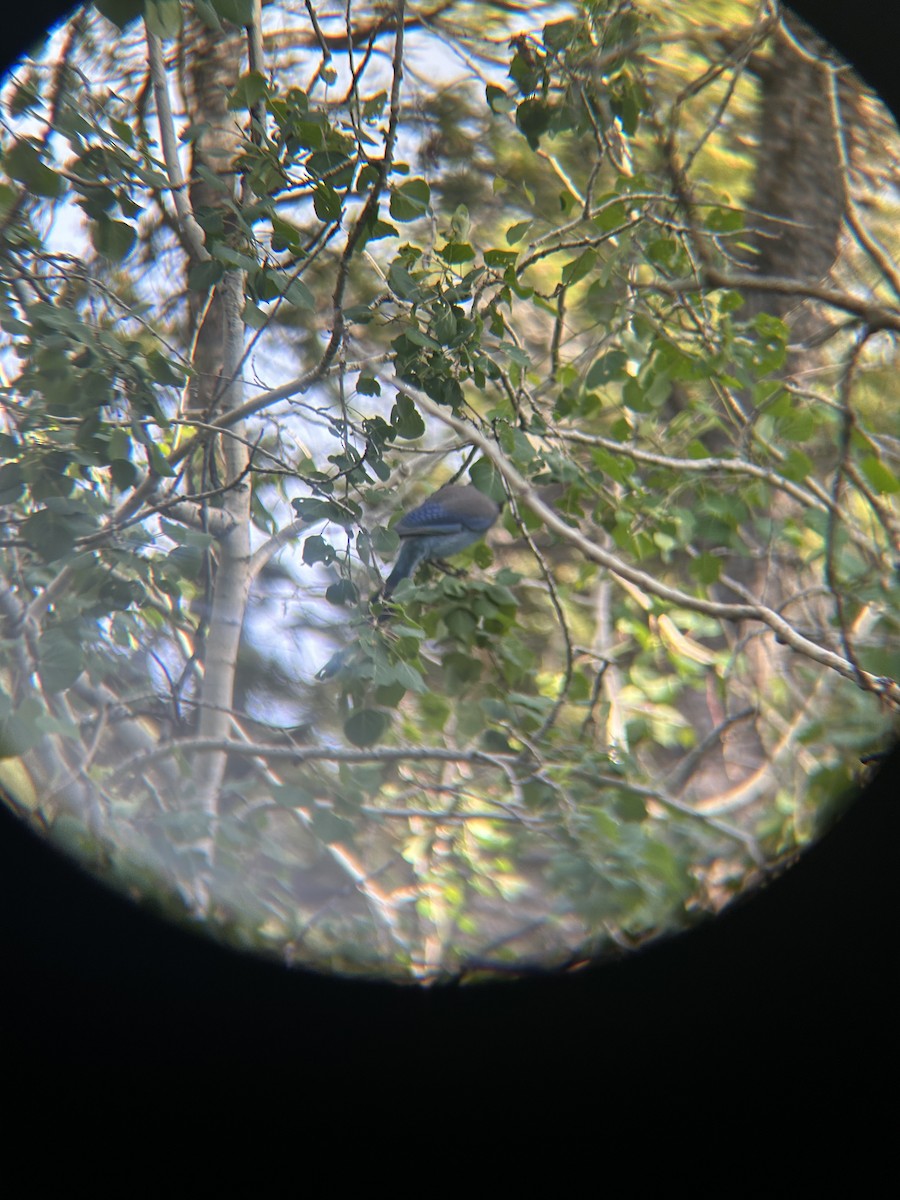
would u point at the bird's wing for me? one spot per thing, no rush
(426, 521)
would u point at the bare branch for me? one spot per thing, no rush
(193, 234)
(305, 753)
(270, 548)
(876, 316)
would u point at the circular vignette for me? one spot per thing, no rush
(55, 659)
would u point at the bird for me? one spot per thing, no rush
(452, 518)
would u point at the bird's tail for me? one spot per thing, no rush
(407, 561)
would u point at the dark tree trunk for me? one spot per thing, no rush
(212, 60)
(797, 211)
(798, 197)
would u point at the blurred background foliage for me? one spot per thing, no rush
(629, 267)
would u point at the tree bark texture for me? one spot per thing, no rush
(213, 67)
(797, 211)
(217, 331)
(798, 197)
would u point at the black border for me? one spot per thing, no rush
(792, 994)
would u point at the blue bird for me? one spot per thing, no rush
(455, 517)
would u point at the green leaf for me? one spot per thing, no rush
(725, 220)
(444, 327)
(662, 251)
(630, 807)
(797, 466)
(516, 232)
(497, 99)
(251, 88)
(611, 215)
(405, 418)
(460, 623)
(334, 164)
(112, 239)
(374, 105)
(50, 534)
(500, 595)
(410, 200)
(525, 70)
(533, 119)
(285, 236)
(23, 162)
(265, 285)
(797, 425)
(123, 473)
(402, 283)
(460, 670)
(342, 593)
(375, 229)
(706, 568)
(12, 483)
(627, 105)
(559, 35)
(367, 726)
(158, 461)
(313, 509)
(253, 316)
(407, 677)
(730, 301)
(164, 371)
(238, 12)
(608, 366)
(418, 338)
(163, 17)
(298, 294)
(368, 385)
(184, 562)
(327, 203)
(60, 660)
(456, 252)
(389, 695)
(487, 479)
(23, 98)
(634, 396)
(460, 223)
(316, 549)
(232, 257)
(329, 827)
(21, 730)
(205, 275)
(881, 477)
(120, 12)
(207, 14)
(579, 267)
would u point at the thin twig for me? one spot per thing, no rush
(882, 686)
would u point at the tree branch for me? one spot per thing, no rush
(193, 234)
(876, 316)
(786, 633)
